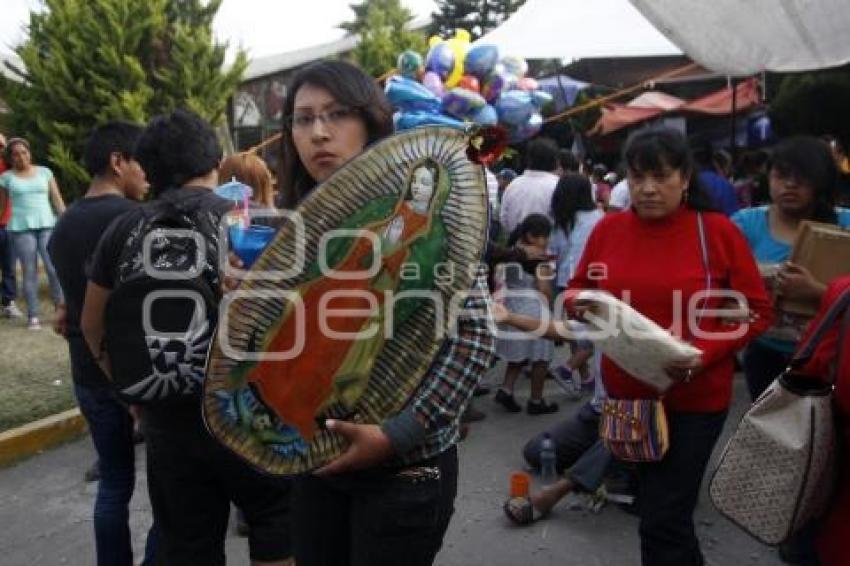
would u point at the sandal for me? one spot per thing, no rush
(521, 512)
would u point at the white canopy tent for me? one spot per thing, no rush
(732, 37)
(741, 38)
(578, 29)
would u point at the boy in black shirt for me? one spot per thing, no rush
(118, 182)
(191, 478)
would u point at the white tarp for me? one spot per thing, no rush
(744, 37)
(578, 29)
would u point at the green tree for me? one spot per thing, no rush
(476, 16)
(89, 61)
(384, 30)
(813, 103)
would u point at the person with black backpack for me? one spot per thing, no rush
(149, 315)
(118, 183)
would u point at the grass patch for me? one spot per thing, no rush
(35, 372)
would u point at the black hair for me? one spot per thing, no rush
(531, 225)
(599, 170)
(572, 194)
(348, 85)
(651, 151)
(111, 137)
(568, 161)
(810, 160)
(12, 143)
(541, 154)
(175, 148)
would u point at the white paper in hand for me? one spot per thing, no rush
(632, 341)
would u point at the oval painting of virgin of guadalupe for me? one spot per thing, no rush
(344, 312)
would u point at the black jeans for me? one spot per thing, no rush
(8, 285)
(761, 366)
(377, 517)
(669, 489)
(192, 480)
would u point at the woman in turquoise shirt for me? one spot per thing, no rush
(32, 190)
(802, 187)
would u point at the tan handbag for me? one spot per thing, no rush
(777, 472)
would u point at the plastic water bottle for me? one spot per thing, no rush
(548, 475)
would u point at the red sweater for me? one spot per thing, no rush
(835, 529)
(651, 260)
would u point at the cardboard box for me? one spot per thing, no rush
(823, 249)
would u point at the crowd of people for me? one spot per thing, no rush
(389, 498)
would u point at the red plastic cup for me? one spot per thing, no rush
(519, 484)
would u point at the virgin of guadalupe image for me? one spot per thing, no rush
(334, 368)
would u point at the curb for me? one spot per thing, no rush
(35, 437)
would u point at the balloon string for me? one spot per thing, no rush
(603, 99)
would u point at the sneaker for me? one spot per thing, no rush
(569, 381)
(33, 324)
(540, 407)
(12, 311)
(507, 401)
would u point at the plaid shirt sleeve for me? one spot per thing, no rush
(428, 425)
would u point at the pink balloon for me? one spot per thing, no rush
(433, 82)
(528, 84)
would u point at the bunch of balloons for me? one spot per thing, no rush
(458, 83)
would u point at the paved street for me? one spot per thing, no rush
(45, 509)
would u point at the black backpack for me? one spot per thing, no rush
(162, 313)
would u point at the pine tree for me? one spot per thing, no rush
(89, 61)
(383, 26)
(476, 16)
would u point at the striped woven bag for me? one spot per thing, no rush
(634, 430)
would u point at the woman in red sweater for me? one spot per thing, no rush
(651, 256)
(834, 350)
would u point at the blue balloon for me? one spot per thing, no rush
(440, 59)
(462, 103)
(235, 191)
(540, 98)
(528, 130)
(481, 60)
(408, 95)
(408, 120)
(515, 107)
(487, 116)
(497, 83)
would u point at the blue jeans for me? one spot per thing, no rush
(29, 244)
(111, 429)
(9, 287)
(578, 451)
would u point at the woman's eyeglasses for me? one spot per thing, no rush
(333, 118)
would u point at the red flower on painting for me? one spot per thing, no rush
(487, 144)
